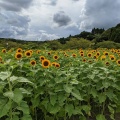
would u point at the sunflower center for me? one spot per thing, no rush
(45, 63)
(19, 56)
(28, 54)
(119, 62)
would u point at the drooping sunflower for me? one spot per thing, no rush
(28, 53)
(18, 55)
(3, 50)
(33, 62)
(118, 62)
(19, 50)
(46, 63)
(55, 57)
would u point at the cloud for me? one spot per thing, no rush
(15, 5)
(13, 25)
(61, 19)
(50, 2)
(102, 14)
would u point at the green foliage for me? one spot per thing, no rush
(107, 44)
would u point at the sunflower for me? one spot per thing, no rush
(3, 50)
(45, 63)
(42, 58)
(74, 55)
(84, 60)
(55, 57)
(118, 62)
(49, 53)
(31, 51)
(18, 55)
(53, 63)
(28, 53)
(81, 54)
(112, 57)
(98, 54)
(33, 62)
(103, 57)
(38, 51)
(89, 54)
(57, 65)
(107, 63)
(19, 50)
(106, 53)
(95, 57)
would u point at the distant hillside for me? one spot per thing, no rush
(98, 37)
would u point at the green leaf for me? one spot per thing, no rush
(102, 98)
(26, 117)
(94, 92)
(18, 96)
(4, 109)
(53, 99)
(24, 91)
(100, 117)
(77, 95)
(15, 117)
(86, 108)
(106, 84)
(68, 88)
(55, 109)
(69, 108)
(4, 75)
(23, 107)
(9, 94)
(2, 84)
(13, 78)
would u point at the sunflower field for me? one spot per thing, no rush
(60, 85)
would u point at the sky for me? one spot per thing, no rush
(40, 20)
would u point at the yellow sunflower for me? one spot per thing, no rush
(45, 63)
(118, 62)
(42, 58)
(57, 65)
(55, 57)
(103, 57)
(3, 50)
(18, 55)
(19, 50)
(28, 53)
(33, 62)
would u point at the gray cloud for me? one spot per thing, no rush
(13, 25)
(50, 2)
(75, 0)
(61, 19)
(100, 13)
(15, 5)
